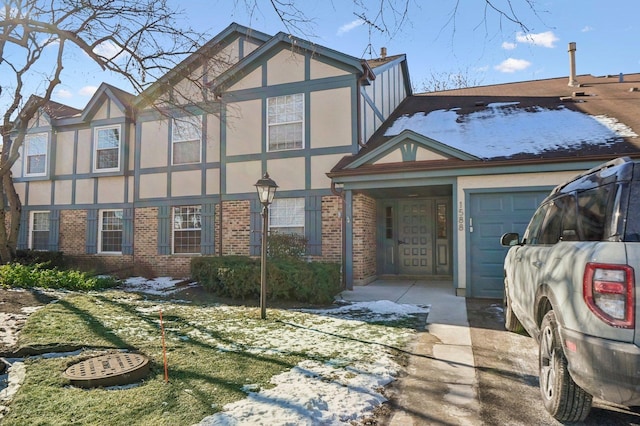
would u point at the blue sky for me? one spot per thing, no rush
(435, 40)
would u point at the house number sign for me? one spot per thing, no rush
(461, 217)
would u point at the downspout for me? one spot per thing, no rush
(223, 112)
(343, 237)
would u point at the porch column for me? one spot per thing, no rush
(348, 236)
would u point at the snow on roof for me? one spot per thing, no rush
(504, 130)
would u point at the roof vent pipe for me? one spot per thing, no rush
(572, 64)
(383, 52)
(621, 78)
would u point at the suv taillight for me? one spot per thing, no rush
(608, 291)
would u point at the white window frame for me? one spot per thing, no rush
(177, 138)
(101, 230)
(27, 145)
(175, 221)
(274, 118)
(286, 214)
(32, 216)
(96, 131)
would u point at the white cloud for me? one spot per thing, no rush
(587, 29)
(507, 45)
(88, 90)
(512, 65)
(483, 68)
(350, 26)
(64, 94)
(109, 50)
(545, 39)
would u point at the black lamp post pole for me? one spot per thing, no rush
(263, 263)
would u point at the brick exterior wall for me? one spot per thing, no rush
(236, 231)
(331, 229)
(72, 242)
(364, 237)
(73, 232)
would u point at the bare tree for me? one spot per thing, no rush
(137, 39)
(437, 82)
(389, 16)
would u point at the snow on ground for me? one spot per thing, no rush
(502, 129)
(342, 390)
(157, 286)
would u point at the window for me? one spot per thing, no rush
(110, 231)
(592, 213)
(35, 147)
(107, 149)
(186, 136)
(533, 230)
(286, 215)
(285, 122)
(39, 235)
(186, 229)
(388, 222)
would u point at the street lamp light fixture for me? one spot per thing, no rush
(266, 188)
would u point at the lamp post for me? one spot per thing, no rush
(266, 188)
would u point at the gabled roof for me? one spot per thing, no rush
(194, 60)
(55, 110)
(531, 121)
(229, 77)
(121, 98)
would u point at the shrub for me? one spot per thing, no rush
(25, 276)
(287, 279)
(48, 259)
(286, 246)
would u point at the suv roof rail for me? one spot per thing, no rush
(611, 163)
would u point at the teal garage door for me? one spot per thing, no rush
(491, 214)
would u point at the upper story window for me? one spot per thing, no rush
(110, 231)
(186, 139)
(39, 235)
(107, 149)
(285, 122)
(286, 215)
(35, 148)
(187, 228)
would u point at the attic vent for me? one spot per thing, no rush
(480, 103)
(578, 94)
(634, 89)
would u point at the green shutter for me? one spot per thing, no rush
(127, 231)
(207, 240)
(91, 246)
(313, 225)
(164, 230)
(255, 239)
(23, 232)
(54, 229)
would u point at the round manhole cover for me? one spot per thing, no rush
(108, 370)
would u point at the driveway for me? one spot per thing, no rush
(465, 368)
(506, 366)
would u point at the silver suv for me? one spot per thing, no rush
(570, 282)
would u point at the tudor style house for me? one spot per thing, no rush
(389, 183)
(144, 183)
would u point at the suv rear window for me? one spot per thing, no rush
(592, 213)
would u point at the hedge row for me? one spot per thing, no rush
(238, 277)
(26, 276)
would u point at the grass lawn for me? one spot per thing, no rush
(216, 354)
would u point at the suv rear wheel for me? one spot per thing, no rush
(563, 398)
(511, 321)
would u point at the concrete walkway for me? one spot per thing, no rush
(440, 387)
